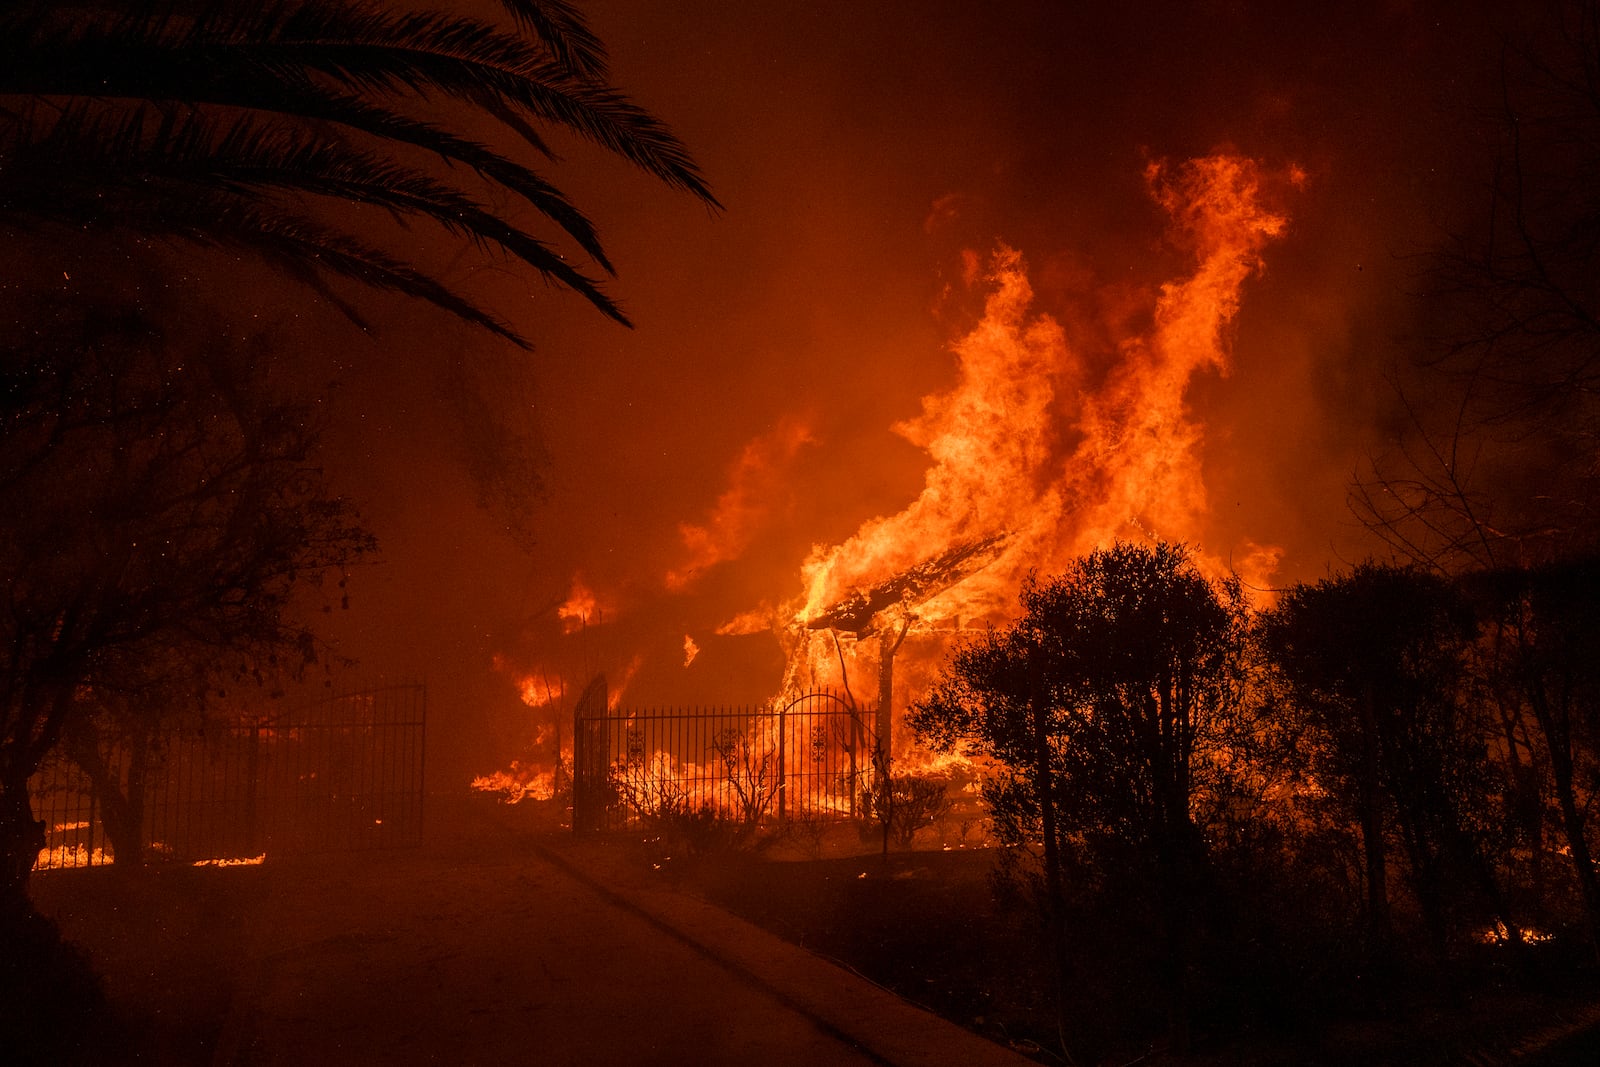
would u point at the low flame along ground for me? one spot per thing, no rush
(1036, 457)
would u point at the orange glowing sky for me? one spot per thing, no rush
(868, 154)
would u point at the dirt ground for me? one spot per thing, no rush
(507, 940)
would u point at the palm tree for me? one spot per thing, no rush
(236, 124)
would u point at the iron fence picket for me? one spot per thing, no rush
(802, 758)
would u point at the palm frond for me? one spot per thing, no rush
(564, 31)
(222, 116)
(263, 94)
(90, 179)
(357, 114)
(373, 49)
(301, 247)
(366, 50)
(251, 156)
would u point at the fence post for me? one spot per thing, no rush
(783, 766)
(252, 771)
(94, 795)
(856, 739)
(422, 765)
(580, 783)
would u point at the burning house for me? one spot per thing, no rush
(1037, 453)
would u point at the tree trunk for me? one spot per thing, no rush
(1577, 842)
(1524, 795)
(1554, 717)
(121, 803)
(1055, 921)
(22, 838)
(886, 654)
(1482, 871)
(1167, 761)
(1426, 877)
(884, 756)
(30, 735)
(1379, 926)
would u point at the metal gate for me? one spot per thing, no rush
(807, 758)
(338, 774)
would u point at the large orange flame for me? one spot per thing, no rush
(582, 608)
(1038, 454)
(1033, 454)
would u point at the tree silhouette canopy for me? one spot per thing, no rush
(1375, 661)
(1107, 707)
(166, 504)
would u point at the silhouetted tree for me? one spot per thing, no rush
(993, 700)
(1106, 705)
(116, 743)
(120, 732)
(1547, 621)
(1376, 660)
(162, 500)
(1494, 476)
(238, 125)
(1494, 467)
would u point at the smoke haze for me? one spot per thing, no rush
(871, 157)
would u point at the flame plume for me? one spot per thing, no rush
(1039, 453)
(1031, 456)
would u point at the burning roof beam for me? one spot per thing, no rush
(916, 585)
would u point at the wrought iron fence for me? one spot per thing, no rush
(807, 758)
(338, 774)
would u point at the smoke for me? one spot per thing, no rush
(799, 362)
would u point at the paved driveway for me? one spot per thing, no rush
(515, 949)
